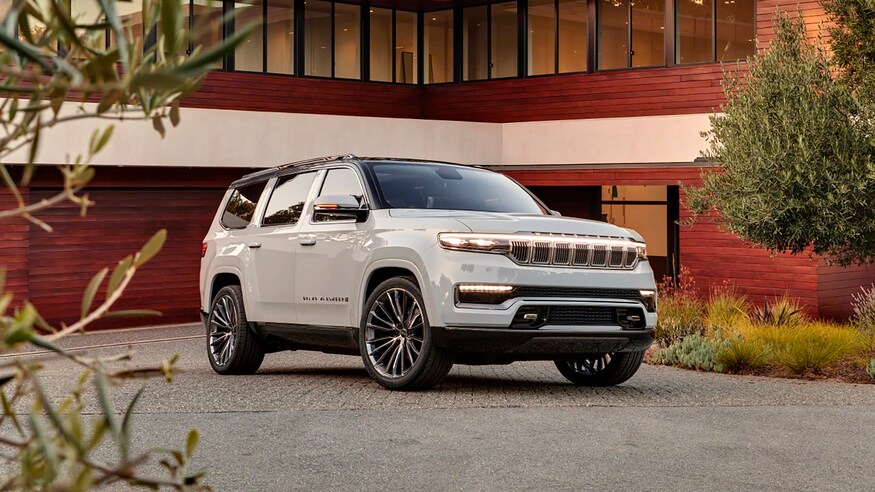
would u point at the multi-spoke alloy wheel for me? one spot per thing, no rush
(394, 333)
(601, 369)
(396, 340)
(231, 346)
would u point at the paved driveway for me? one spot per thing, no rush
(310, 420)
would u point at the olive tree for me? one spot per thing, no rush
(56, 68)
(795, 149)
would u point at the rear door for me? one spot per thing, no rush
(330, 257)
(273, 247)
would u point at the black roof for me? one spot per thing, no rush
(292, 167)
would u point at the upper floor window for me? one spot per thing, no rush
(489, 41)
(733, 21)
(347, 41)
(623, 23)
(317, 38)
(557, 36)
(393, 49)
(438, 49)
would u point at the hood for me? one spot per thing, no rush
(498, 223)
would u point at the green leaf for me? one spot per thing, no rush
(42, 342)
(109, 416)
(170, 24)
(27, 175)
(121, 37)
(25, 50)
(118, 274)
(158, 81)
(125, 441)
(18, 334)
(100, 142)
(151, 248)
(158, 125)
(174, 113)
(52, 413)
(91, 291)
(7, 411)
(191, 442)
(45, 445)
(5, 301)
(132, 313)
(200, 62)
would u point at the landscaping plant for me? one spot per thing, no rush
(57, 69)
(680, 311)
(795, 143)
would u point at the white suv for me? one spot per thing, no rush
(416, 265)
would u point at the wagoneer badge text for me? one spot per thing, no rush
(326, 299)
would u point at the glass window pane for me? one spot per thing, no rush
(736, 29)
(613, 34)
(241, 206)
(83, 12)
(475, 60)
(406, 56)
(573, 18)
(280, 36)
(439, 47)
(248, 55)
(381, 44)
(504, 40)
(695, 31)
(287, 200)
(317, 42)
(347, 38)
(648, 33)
(208, 25)
(542, 37)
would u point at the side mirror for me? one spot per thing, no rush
(339, 207)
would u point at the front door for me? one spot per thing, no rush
(330, 259)
(273, 248)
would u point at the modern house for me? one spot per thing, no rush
(596, 105)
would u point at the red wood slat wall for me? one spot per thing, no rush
(62, 263)
(258, 92)
(14, 246)
(836, 287)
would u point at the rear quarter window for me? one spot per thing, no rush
(241, 206)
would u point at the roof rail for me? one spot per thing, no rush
(317, 160)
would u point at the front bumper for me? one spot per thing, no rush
(490, 345)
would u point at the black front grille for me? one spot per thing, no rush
(577, 292)
(581, 316)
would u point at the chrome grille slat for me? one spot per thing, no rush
(566, 250)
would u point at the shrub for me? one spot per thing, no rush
(781, 311)
(808, 347)
(678, 317)
(693, 352)
(864, 313)
(739, 354)
(870, 369)
(726, 307)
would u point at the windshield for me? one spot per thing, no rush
(446, 187)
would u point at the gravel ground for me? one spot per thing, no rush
(310, 420)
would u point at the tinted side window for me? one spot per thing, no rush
(287, 201)
(241, 206)
(343, 182)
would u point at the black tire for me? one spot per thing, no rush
(430, 365)
(246, 351)
(601, 369)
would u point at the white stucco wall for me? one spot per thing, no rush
(208, 137)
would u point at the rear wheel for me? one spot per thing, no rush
(601, 369)
(396, 340)
(231, 346)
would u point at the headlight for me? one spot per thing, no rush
(642, 252)
(474, 242)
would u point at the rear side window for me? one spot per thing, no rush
(287, 200)
(241, 207)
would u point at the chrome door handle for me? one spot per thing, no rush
(307, 241)
(254, 245)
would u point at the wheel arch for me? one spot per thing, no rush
(224, 277)
(381, 270)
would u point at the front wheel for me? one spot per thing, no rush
(396, 340)
(601, 369)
